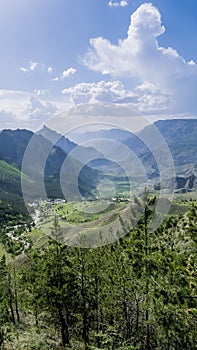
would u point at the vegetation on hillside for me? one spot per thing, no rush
(138, 293)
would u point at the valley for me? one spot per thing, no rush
(48, 271)
(97, 248)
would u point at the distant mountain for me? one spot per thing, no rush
(181, 137)
(130, 154)
(115, 134)
(179, 134)
(82, 154)
(15, 147)
(57, 139)
(116, 144)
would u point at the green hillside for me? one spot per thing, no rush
(12, 206)
(137, 293)
(8, 171)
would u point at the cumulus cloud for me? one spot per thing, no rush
(33, 65)
(97, 92)
(40, 110)
(23, 69)
(68, 72)
(7, 119)
(140, 58)
(145, 98)
(122, 3)
(50, 69)
(150, 98)
(24, 110)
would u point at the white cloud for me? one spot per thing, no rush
(7, 119)
(41, 92)
(192, 63)
(97, 92)
(40, 110)
(24, 110)
(151, 98)
(68, 72)
(24, 70)
(33, 65)
(50, 69)
(122, 3)
(55, 79)
(139, 58)
(145, 98)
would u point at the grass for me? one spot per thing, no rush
(83, 219)
(37, 237)
(178, 208)
(85, 211)
(91, 219)
(9, 171)
(189, 196)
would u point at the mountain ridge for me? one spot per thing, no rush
(179, 134)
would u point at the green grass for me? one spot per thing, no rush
(85, 211)
(189, 196)
(88, 218)
(178, 208)
(82, 219)
(9, 171)
(37, 237)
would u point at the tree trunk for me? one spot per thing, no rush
(16, 297)
(84, 312)
(63, 327)
(11, 300)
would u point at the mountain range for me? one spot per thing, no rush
(111, 152)
(114, 149)
(19, 145)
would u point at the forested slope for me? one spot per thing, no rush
(138, 293)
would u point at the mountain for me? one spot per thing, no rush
(82, 154)
(179, 134)
(115, 134)
(11, 202)
(10, 178)
(13, 144)
(34, 155)
(57, 139)
(130, 154)
(181, 138)
(116, 145)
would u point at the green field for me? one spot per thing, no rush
(95, 221)
(87, 218)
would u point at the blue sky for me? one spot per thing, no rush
(68, 55)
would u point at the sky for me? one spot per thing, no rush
(96, 57)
